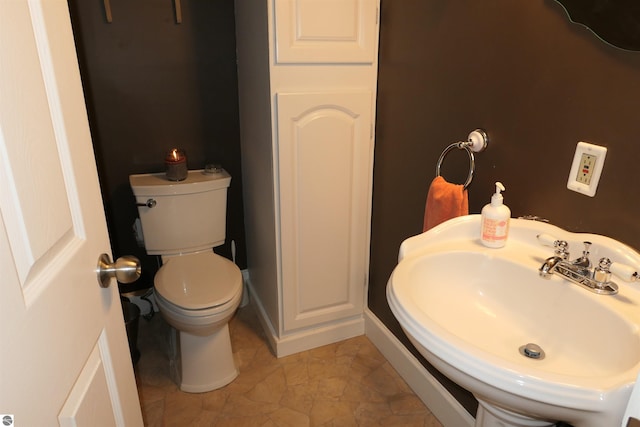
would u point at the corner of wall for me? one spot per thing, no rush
(441, 403)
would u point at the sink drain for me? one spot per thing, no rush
(532, 351)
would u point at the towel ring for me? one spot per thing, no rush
(472, 160)
(478, 141)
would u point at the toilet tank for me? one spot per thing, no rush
(186, 216)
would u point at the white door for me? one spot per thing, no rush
(64, 357)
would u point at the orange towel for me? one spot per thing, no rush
(444, 201)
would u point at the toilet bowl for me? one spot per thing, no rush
(197, 294)
(197, 291)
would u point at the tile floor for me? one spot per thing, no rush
(339, 385)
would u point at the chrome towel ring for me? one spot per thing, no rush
(477, 142)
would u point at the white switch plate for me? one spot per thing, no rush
(586, 168)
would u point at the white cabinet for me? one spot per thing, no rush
(334, 31)
(324, 164)
(307, 105)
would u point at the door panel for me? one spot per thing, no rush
(324, 153)
(89, 402)
(327, 31)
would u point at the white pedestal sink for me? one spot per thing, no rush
(471, 310)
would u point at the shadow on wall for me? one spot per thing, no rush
(152, 85)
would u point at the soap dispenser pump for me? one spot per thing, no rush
(494, 224)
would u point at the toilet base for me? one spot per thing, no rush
(205, 362)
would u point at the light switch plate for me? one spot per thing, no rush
(586, 168)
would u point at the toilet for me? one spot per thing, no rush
(196, 290)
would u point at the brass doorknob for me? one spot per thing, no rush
(126, 269)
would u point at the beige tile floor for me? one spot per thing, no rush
(339, 385)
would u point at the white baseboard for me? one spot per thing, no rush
(304, 339)
(317, 337)
(245, 287)
(442, 404)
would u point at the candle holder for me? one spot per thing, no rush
(176, 165)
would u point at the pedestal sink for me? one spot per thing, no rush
(533, 351)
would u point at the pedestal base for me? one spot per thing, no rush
(492, 416)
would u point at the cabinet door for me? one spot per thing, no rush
(327, 31)
(325, 152)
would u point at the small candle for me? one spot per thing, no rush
(176, 165)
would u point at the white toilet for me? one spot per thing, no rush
(197, 291)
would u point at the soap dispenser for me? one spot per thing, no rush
(494, 224)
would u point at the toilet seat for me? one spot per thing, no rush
(198, 283)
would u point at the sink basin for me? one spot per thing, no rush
(471, 311)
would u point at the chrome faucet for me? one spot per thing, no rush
(584, 262)
(580, 271)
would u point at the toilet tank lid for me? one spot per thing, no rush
(157, 184)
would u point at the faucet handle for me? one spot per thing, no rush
(625, 272)
(547, 239)
(562, 249)
(561, 246)
(584, 260)
(602, 272)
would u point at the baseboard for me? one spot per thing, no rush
(442, 404)
(304, 339)
(317, 337)
(245, 287)
(267, 326)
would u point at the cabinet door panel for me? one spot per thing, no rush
(327, 31)
(325, 156)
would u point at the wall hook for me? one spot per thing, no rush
(107, 11)
(178, 9)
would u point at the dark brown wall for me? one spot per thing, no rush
(537, 83)
(151, 85)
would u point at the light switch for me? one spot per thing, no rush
(586, 168)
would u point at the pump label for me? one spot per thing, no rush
(494, 230)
